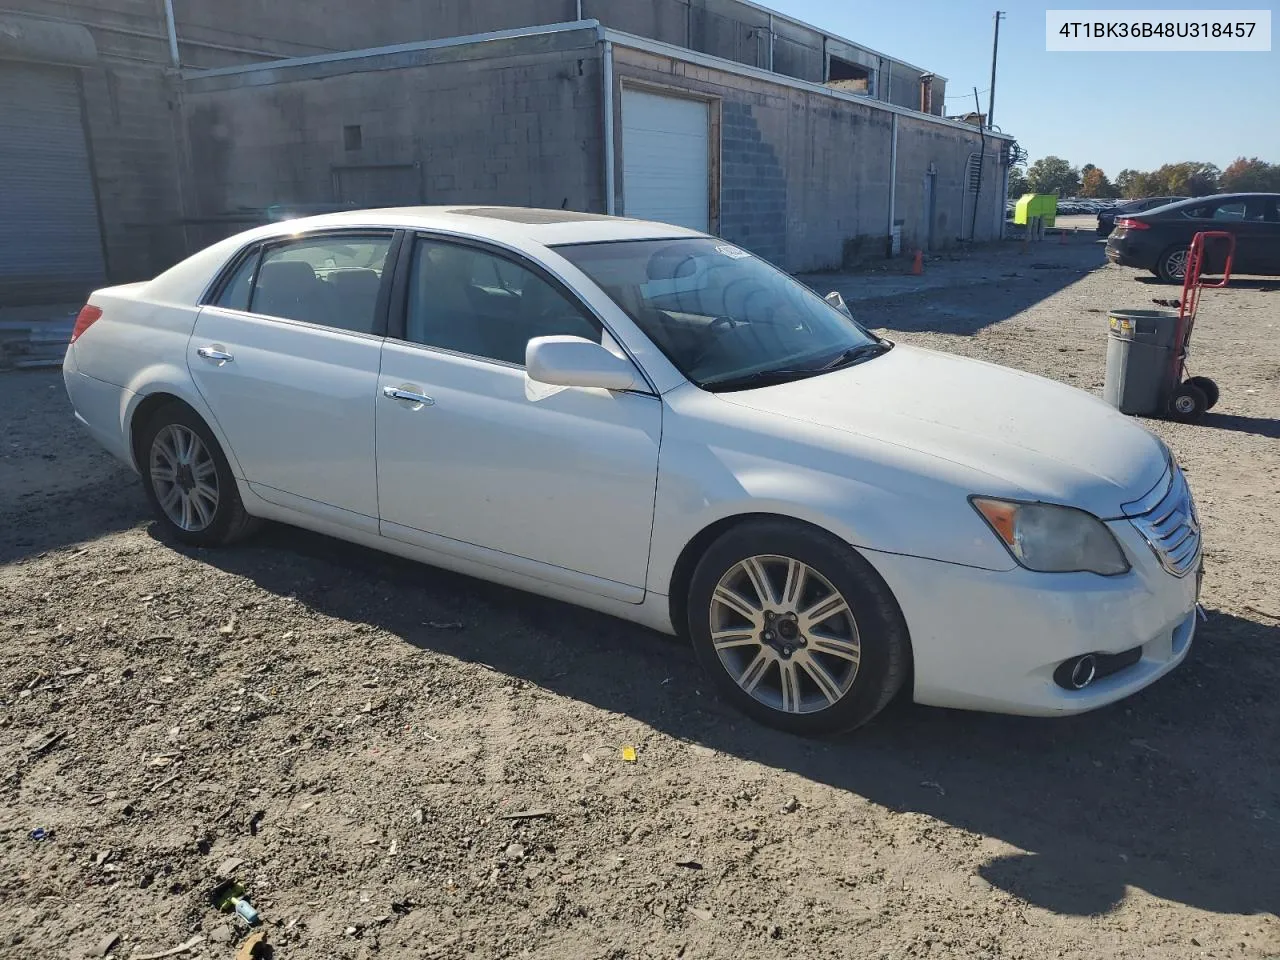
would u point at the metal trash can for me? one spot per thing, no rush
(1140, 346)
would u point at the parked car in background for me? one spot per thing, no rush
(1158, 240)
(1107, 217)
(651, 422)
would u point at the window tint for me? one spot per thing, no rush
(333, 281)
(481, 304)
(235, 295)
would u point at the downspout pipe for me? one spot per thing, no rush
(610, 192)
(893, 181)
(171, 27)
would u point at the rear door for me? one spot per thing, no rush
(286, 355)
(1243, 217)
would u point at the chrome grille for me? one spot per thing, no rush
(1172, 529)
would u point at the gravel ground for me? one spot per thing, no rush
(355, 738)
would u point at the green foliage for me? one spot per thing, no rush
(1053, 175)
(1094, 183)
(1017, 183)
(1251, 176)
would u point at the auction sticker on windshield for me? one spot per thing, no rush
(732, 253)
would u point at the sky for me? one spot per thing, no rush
(1114, 110)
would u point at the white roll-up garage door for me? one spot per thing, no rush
(50, 244)
(666, 157)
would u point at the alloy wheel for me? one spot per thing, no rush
(184, 477)
(785, 634)
(1175, 264)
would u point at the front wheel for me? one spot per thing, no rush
(1188, 403)
(796, 629)
(188, 480)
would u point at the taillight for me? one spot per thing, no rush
(1126, 224)
(88, 314)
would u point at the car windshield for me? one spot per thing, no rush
(725, 318)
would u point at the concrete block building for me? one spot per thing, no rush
(135, 131)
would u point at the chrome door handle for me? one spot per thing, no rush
(217, 356)
(396, 393)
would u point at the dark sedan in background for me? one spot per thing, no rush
(1159, 239)
(1107, 218)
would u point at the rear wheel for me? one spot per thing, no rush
(1172, 265)
(188, 480)
(796, 629)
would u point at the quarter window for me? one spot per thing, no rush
(235, 294)
(478, 303)
(332, 281)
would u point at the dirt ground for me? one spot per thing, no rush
(353, 737)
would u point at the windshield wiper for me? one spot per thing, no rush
(864, 351)
(761, 378)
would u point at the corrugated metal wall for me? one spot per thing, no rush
(50, 244)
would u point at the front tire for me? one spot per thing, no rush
(1172, 265)
(188, 481)
(1188, 403)
(795, 629)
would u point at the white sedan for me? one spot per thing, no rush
(651, 422)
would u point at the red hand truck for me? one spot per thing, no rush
(1188, 399)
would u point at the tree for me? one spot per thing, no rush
(1053, 175)
(1094, 183)
(1251, 176)
(1017, 182)
(1186, 179)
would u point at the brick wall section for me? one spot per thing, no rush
(504, 122)
(753, 186)
(826, 162)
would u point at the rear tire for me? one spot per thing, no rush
(188, 481)
(1208, 388)
(1171, 267)
(824, 652)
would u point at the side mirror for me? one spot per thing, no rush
(578, 362)
(837, 301)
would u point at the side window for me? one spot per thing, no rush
(1232, 210)
(485, 305)
(333, 281)
(235, 295)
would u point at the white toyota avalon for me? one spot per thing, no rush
(651, 422)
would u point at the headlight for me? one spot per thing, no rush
(1053, 539)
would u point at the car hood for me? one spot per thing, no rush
(1036, 439)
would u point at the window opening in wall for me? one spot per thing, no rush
(851, 77)
(352, 137)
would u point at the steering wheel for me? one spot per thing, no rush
(715, 330)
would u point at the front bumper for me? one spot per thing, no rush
(991, 640)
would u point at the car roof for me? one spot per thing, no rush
(517, 226)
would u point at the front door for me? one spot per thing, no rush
(476, 459)
(287, 359)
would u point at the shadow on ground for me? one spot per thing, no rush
(983, 289)
(1176, 791)
(1259, 426)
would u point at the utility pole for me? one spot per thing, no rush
(995, 49)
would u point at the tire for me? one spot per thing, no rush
(1187, 403)
(1208, 388)
(176, 442)
(1172, 263)
(841, 668)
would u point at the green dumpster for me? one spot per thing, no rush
(1042, 205)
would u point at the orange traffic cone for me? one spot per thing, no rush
(917, 265)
